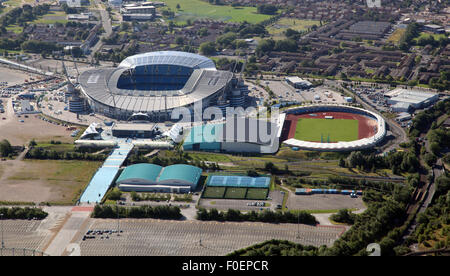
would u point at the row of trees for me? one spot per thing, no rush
(284, 45)
(277, 248)
(412, 31)
(423, 120)
(265, 216)
(23, 213)
(433, 223)
(145, 211)
(267, 9)
(21, 15)
(401, 161)
(149, 196)
(40, 153)
(181, 158)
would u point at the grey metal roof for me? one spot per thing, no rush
(101, 86)
(168, 57)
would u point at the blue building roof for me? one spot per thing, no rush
(148, 172)
(181, 172)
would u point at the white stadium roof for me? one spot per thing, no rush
(170, 58)
(341, 146)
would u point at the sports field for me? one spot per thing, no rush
(214, 192)
(195, 9)
(260, 194)
(235, 193)
(318, 130)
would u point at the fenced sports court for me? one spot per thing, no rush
(236, 187)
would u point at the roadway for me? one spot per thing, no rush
(106, 23)
(400, 134)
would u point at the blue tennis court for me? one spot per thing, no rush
(238, 181)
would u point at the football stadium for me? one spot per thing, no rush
(332, 128)
(155, 84)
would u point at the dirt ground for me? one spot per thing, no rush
(44, 180)
(18, 133)
(13, 77)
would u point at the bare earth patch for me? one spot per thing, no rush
(44, 180)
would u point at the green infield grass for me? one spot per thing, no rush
(259, 194)
(235, 193)
(214, 192)
(318, 130)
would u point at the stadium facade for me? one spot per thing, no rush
(155, 84)
(339, 146)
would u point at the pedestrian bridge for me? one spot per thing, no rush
(104, 177)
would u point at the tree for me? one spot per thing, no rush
(267, 9)
(208, 48)
(341, 162)
(179, 40)
(5, 148)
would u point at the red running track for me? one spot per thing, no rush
(367, 127)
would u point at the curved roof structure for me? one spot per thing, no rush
(145, 172)
(180, 172)
(190, 60)
(340, 146)
(146, 175)
(157, 85)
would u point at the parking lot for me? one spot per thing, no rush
(195, 238)
(20, 234)
(319, 94)
(323, 202)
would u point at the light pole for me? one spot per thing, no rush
(3, 243)
(118, 219)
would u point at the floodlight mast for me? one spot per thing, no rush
(3, 242)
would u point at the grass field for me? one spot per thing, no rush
(260, 194)
(278, 28)
(195, 9)
(214, 192)
(396, 35)
(235, 193)
(426, 35)
(337, 129)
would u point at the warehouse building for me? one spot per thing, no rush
(179, 178)
(400, 98)
(298, 83)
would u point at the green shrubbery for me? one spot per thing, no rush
(22, 213)
(265, 216)
(344, 216)
(158, 212)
